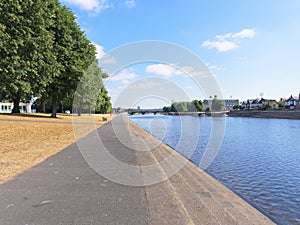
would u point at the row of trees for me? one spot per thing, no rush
(195, 106)
(44, 53)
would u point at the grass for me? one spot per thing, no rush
(26, 140)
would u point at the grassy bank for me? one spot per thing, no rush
(27, 140)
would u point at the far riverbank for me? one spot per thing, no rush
(295, 114)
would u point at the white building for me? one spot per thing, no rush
(7, 107)
(228, 103)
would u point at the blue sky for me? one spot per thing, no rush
(250, 47)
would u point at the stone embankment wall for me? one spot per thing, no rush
(284, 114)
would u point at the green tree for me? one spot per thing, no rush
(267, 105)
(167, 109)
(103, 104)
(237, 107)
(199, 105)
(281, 104)
(26, 48)
(217, 105)
(90, 89)
(179, 107)
(191, 107)
(74, 53)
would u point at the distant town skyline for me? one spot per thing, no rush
(250, 47)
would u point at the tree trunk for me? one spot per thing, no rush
(43, 106)
(54, 107)
(79, 111)
(16, 108)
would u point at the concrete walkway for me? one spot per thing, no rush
(65, 190)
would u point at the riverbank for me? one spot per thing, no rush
(286, 114)
(213, 114)
(28, 139)
(190, 196)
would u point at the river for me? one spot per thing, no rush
(259, 159)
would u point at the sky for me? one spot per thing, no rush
(249, 48)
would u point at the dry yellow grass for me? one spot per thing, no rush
(28, 140)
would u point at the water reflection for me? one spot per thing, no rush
(259, 158)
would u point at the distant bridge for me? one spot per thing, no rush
(144, 111)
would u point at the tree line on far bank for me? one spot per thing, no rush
(44, 53)
(195, 106)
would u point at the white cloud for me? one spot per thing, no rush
(221, 46)
(229, 41)
(246, 33)
(90, 5)
(107, 60)
(191, 72)
(130, 3)
(102, 56)
(171, 70)
(213, 67)
(99, 51)
(224, 36)
(145, 84)
(124, 76)
(163, 69)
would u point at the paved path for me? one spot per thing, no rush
(65, 190)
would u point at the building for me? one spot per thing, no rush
(251, 104)
(255, 103)
(6, 107)
(292, 102)
(228, 103)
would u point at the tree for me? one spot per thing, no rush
(237, 107)
(217, 105)
(179, 107)
(199, 105)
(90, 89)
(103, 104)
(191, 107)
(281, 104)
(26, 48)
(74, 53)
(167, 109)
(267, 105)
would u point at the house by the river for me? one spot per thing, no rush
(253, 103)
(6, 107)
(292, 102)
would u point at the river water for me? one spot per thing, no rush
(259, 159)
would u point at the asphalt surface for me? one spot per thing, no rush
(65, 190)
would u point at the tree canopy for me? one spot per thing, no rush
(91, 94)
(26, 48)
(74, 53)
(193, 106)
(44, 53)
(217, 104)
(267, 105)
